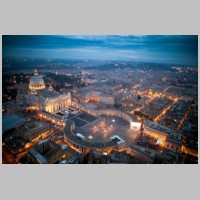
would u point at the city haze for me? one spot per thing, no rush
(169, 49)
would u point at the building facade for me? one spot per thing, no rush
(99, 97)
(31, 130)
(46, 99)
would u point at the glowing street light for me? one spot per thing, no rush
(90, 137)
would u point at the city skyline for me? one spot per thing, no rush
(169, 49)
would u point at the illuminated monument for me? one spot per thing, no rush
(47, 99)
(36, 82)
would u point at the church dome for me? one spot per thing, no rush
(36, 81)
(50, 88)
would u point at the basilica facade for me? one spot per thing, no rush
(47, 99)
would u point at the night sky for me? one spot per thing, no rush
(169, 49)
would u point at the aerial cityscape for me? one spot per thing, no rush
(100, 99)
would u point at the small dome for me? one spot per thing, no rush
(36, 82)
(50, 88)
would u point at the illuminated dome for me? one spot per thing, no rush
(36, 81)
(50, 88)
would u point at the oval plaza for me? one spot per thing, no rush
(100, 130)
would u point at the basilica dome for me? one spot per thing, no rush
(36, 81)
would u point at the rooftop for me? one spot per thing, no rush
(159, 127)
(49, 94)
(10, 121)
(37, 156)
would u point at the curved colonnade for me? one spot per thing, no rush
(83, 145)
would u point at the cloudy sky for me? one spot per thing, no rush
(175, 49)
